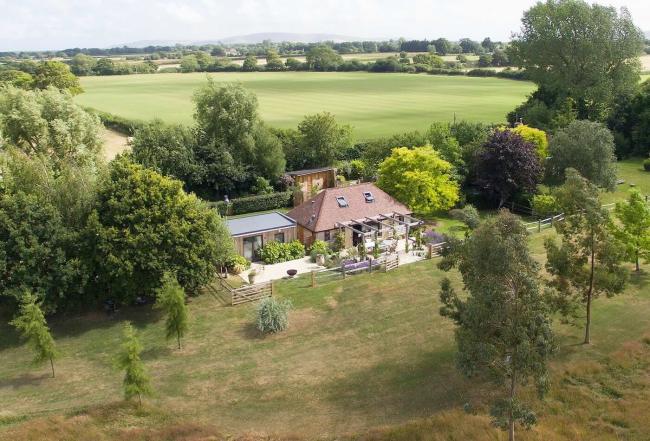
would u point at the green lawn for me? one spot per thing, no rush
(362, 353)
(374, 104)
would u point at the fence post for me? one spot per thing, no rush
(552, 217)
(313, 279)
(429, 251)
(271, 282)
(343, 270)
(539, 226)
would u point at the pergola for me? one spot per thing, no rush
(385, 220)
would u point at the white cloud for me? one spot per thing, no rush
(55, 24)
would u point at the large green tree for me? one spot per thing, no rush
(587, 262)
(144, 225)
(585, 146)
(37, 253)
(321, 141)
(323, 58)
(503, 328)
(585, 52)
(419, 178)
(229, 125)
(31, 324)
(49, 123)
(633, 227)
(58, 75)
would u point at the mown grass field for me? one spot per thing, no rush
(369, 356)
(374, 104)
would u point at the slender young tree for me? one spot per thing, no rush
(171, 299)
(634, 227)
(587, 263)
(503, 327)
(136, 380)
(31, 324)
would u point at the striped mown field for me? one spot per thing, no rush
(374, 104)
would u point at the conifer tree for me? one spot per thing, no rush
(634, 228)
(136, 380)
(171, 299)
(32, 326)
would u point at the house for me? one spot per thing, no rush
(361, 212)
(311, 181)
(253, 232)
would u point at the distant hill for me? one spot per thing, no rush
(275, 37)
(278, 37)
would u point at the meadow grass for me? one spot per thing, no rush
(368, 358)
(374, 104)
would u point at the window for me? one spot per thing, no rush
(343, 203)
(369, 197)
(327, 236)
(279, 237)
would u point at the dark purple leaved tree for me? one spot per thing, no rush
(507, 165)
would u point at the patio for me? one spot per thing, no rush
(305, 265)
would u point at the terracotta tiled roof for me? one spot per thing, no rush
(322, 212)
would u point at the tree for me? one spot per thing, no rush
(587, 147)
(37, 253)
(576, 50)
(48, 123)
(323, 58)
(503, 324)
(587, 262)
(171, 299)
(630, 123)
(168, 149)
(189, 63)
(82, 65)
(634, 227)
(419, 178)
(443, 47)
(322, 139)
(32, 326)
(273, 60)
(536, 137)
(250, 64)
(136, 380)
(507, 165)
(442, 140)
(144, 226)
(488, 45)
(234, 142)
(470, 46)
(58, 75)
(16, 78)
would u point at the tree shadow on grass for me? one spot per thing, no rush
(156, 352)
(405, 389)
(25, 380)
(76, 325)
(249, 331)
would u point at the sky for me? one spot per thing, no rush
(60, 24)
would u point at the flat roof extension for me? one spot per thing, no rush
(259, 223)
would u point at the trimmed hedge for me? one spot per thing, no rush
(251, 204)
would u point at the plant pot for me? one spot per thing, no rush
(251, 278)
(292, 272)
(320, 260)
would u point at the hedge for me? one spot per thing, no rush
(119, 124)
(251, 204)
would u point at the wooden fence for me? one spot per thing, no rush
(392, 262)
(247, 293)
(543, 224)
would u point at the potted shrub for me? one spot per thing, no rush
(252, 275)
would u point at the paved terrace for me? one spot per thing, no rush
(305, 265)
